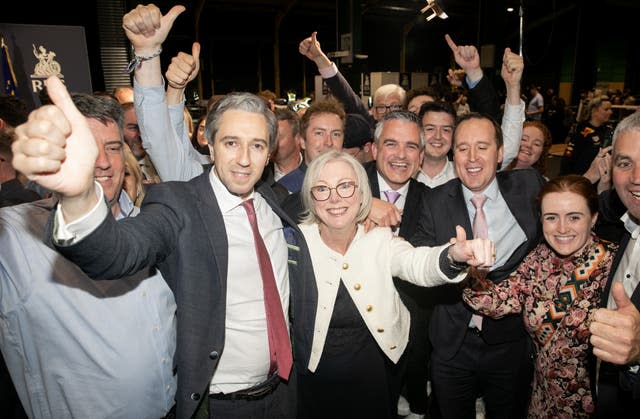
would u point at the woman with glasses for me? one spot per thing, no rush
(361, 327)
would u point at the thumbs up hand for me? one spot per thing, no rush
(615, 334)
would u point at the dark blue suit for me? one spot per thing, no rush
(443, 208)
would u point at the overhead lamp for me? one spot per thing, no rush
(434, 10)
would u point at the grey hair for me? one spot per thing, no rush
(628, 124)
(398, 116)
(241, 101)
(311, 177)
(387, 90)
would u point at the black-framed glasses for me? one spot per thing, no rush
(387, 108)
(343, 189)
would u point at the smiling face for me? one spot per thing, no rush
(397, 152)
(476, 154)
(438, 131)
(109, 167)
(240, 150)
(336, 213)
(531, 147)
(325, 132)
(566, 221)
(626, 170)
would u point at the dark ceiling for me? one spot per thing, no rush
(238, 36)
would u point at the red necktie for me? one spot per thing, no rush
(480, 231)
(279, 345)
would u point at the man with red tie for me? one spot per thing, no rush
(208, 237)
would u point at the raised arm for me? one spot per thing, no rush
(513, 115)
(482, 97)
(173, 156)
(340, 87)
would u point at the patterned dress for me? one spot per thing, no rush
(557, 296)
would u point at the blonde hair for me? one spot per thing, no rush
(309, 215)
(131, 165)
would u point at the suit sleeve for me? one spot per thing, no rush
(121, 248)
(483, 98)
(342, 90)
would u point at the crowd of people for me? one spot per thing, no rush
(414, 258)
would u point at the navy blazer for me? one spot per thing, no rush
(443, 208)
(181, 232)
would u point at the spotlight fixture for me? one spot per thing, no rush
(434, 10)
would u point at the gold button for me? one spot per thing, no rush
(369, 308)
(345, 265)
(380, 330)
(393, 347)
(356, 287)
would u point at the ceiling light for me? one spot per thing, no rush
(434, 10)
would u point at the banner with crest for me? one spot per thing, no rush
(39, 51)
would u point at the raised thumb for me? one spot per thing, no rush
(60, 97)
(172, 14)
(195, 51)
(620, 296)
(461, 235)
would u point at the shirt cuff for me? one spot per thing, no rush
(450, 268)
(328, 72)
(67, 234)
(471, 84)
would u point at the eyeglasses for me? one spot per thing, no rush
(323, 192)
(387, 108)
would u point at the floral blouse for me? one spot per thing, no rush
(556, 297)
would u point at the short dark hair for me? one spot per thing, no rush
(286, 114)
(438, 106)
(103, 108)
(13, 110)
(422, 91)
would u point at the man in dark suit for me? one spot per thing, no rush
(481, 356)
(198, 235)
(615, 328)
(398, 151)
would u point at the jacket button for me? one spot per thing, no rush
(356, 287)
(369, 307)
(345, 265)
(380, 330)
(214, 355)
(195, 397)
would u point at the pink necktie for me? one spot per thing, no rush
(279, 344)
(392, 196)
(480, 231)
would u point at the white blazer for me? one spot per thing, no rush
(367, 270)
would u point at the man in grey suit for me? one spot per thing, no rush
(481, 357)
(198, 235)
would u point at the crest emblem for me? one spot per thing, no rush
(46, 65)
